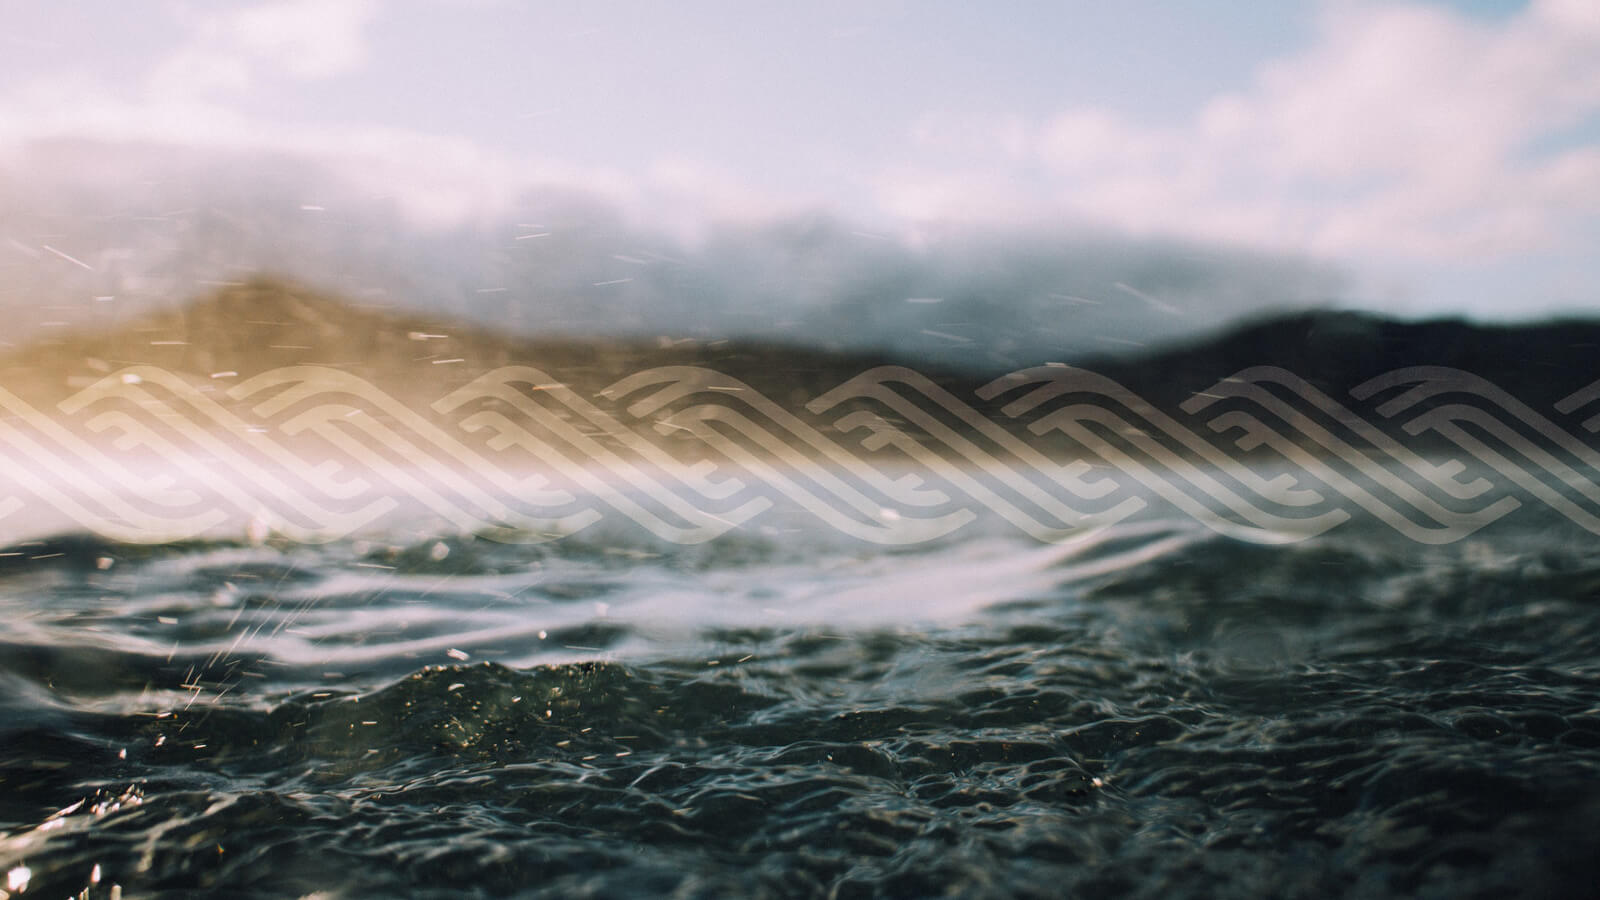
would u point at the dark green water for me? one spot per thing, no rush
(1164, 714)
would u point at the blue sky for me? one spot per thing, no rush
(1446, 156)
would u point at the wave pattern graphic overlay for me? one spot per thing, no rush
(316, 454)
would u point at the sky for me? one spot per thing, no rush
(1443, 158)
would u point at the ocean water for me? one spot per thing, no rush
(1151, 710)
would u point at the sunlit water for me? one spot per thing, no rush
(1154, 710)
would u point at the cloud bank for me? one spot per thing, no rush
(157, 227)
(1400, 138)
(1403, 132)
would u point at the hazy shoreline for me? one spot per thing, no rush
(234, 396)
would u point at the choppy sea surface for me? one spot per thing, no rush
(1152, 710)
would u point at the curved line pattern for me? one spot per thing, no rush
(889, 456)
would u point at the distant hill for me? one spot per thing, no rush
(246, 329)
(1336, 351)
(242, 330)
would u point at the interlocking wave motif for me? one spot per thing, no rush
(689, 454)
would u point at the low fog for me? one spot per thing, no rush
(93, 234)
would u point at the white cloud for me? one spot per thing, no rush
(1403, 131)
(191, 103)
(434, 181)
(229, 51)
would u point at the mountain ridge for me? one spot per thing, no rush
(265, 323)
